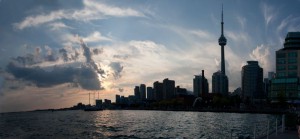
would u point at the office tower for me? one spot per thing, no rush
(286, 83)
(200, 85)
(137, 92)
(252, 81)
(219, 83)
(158, 90)
(220, 80)
(168, 89)
(118, 99)
(150, 95)
(143, 91)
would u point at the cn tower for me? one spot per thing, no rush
(222, 43)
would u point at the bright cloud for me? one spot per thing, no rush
(96, 37)
(92, 11)
(262, 54)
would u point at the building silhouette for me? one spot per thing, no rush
(286, 83)
(252, 81)
(168, 88)
(150, 95)
(99, 103)
(180, 91)
(220, 83)
(118, 99)
(158, 90)
(137, 93)
(200, 85)
(143, 92)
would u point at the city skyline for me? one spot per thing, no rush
(125, 43)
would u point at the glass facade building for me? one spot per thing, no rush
(286, 82)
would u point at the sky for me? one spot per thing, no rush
(53, 53)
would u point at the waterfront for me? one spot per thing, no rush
(127, 124)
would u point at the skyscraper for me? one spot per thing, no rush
(137, 92)
(219, 79)
(200, 85)
(286, 83)
(143, 91)
(219, 83)
(252, 81)
(150, 95)
(168, 88)
(158, 90)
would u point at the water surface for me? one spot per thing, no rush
(127, 124)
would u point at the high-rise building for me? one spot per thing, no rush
(150, 95)
(158, 90)
(220, 80)
(200, 85)
(118, 99)
(286, 83)
(267, 83)
(252, 81)
(143, 91)
(168, 89)
(137, 93)
(219, 83)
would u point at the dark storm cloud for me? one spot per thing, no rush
(64, 54)
(97, 51)
(85, 76)
(117, 69)
(28, 59)
(90, 62)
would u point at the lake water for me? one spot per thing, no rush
(128, 124)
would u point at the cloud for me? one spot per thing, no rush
(58, 26)
(44, 74)
(290, 23)
(109, 10)
(237, 37)
(97, 51)
(121, 89)
(50, 55)
(64, 54)
(117, 69)
(262, 54)
(96, 37)
(92, 10)
(269, 13)
(32, 21)
(201, 34)
(242, 21)
(90, 62)
(86, 77)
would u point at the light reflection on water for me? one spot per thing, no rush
(126, 124)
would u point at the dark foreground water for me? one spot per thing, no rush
(127, 124)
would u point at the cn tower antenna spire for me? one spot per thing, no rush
(222, 43)
(222, 22)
